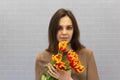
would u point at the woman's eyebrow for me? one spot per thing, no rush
(70, 25)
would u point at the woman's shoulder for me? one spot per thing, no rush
(42, 55)
(86, 51)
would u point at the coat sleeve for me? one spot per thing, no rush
(92, 73)
(39, 68)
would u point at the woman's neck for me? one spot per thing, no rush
(68, 47)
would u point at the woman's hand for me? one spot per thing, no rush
(60, 75)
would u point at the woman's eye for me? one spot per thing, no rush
(59, 28)
(69, 27)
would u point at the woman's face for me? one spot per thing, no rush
(65, 31)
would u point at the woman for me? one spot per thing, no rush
(63, 27)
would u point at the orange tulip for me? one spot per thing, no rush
(57, 58)
(73, 54)
(73, 58)
(60, 66)
(62, 46)
(74, 61)
(79, 69)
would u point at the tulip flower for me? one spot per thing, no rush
(57, 58)
(59, 64)
(62, 46)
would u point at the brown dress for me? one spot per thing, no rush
(85, 56)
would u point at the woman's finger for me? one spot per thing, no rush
(52, 68)
(52, 71)
(53, 74)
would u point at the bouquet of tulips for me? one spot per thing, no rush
(71, 62)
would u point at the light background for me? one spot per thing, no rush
(24, 26)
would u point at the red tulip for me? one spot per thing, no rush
(62, 46)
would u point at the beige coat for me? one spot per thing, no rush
(85, 56)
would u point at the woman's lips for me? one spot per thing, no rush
(64, 38)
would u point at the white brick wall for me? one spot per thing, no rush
(23, 34)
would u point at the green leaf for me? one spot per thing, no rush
(49, 77)
(59, 52)
(43, 77)
(52, 62)
(68, 67)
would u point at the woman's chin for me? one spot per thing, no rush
(66, 41)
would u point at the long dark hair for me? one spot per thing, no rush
(53, 29)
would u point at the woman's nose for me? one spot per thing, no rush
(64, 31)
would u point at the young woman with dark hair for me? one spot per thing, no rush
(63, 27)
